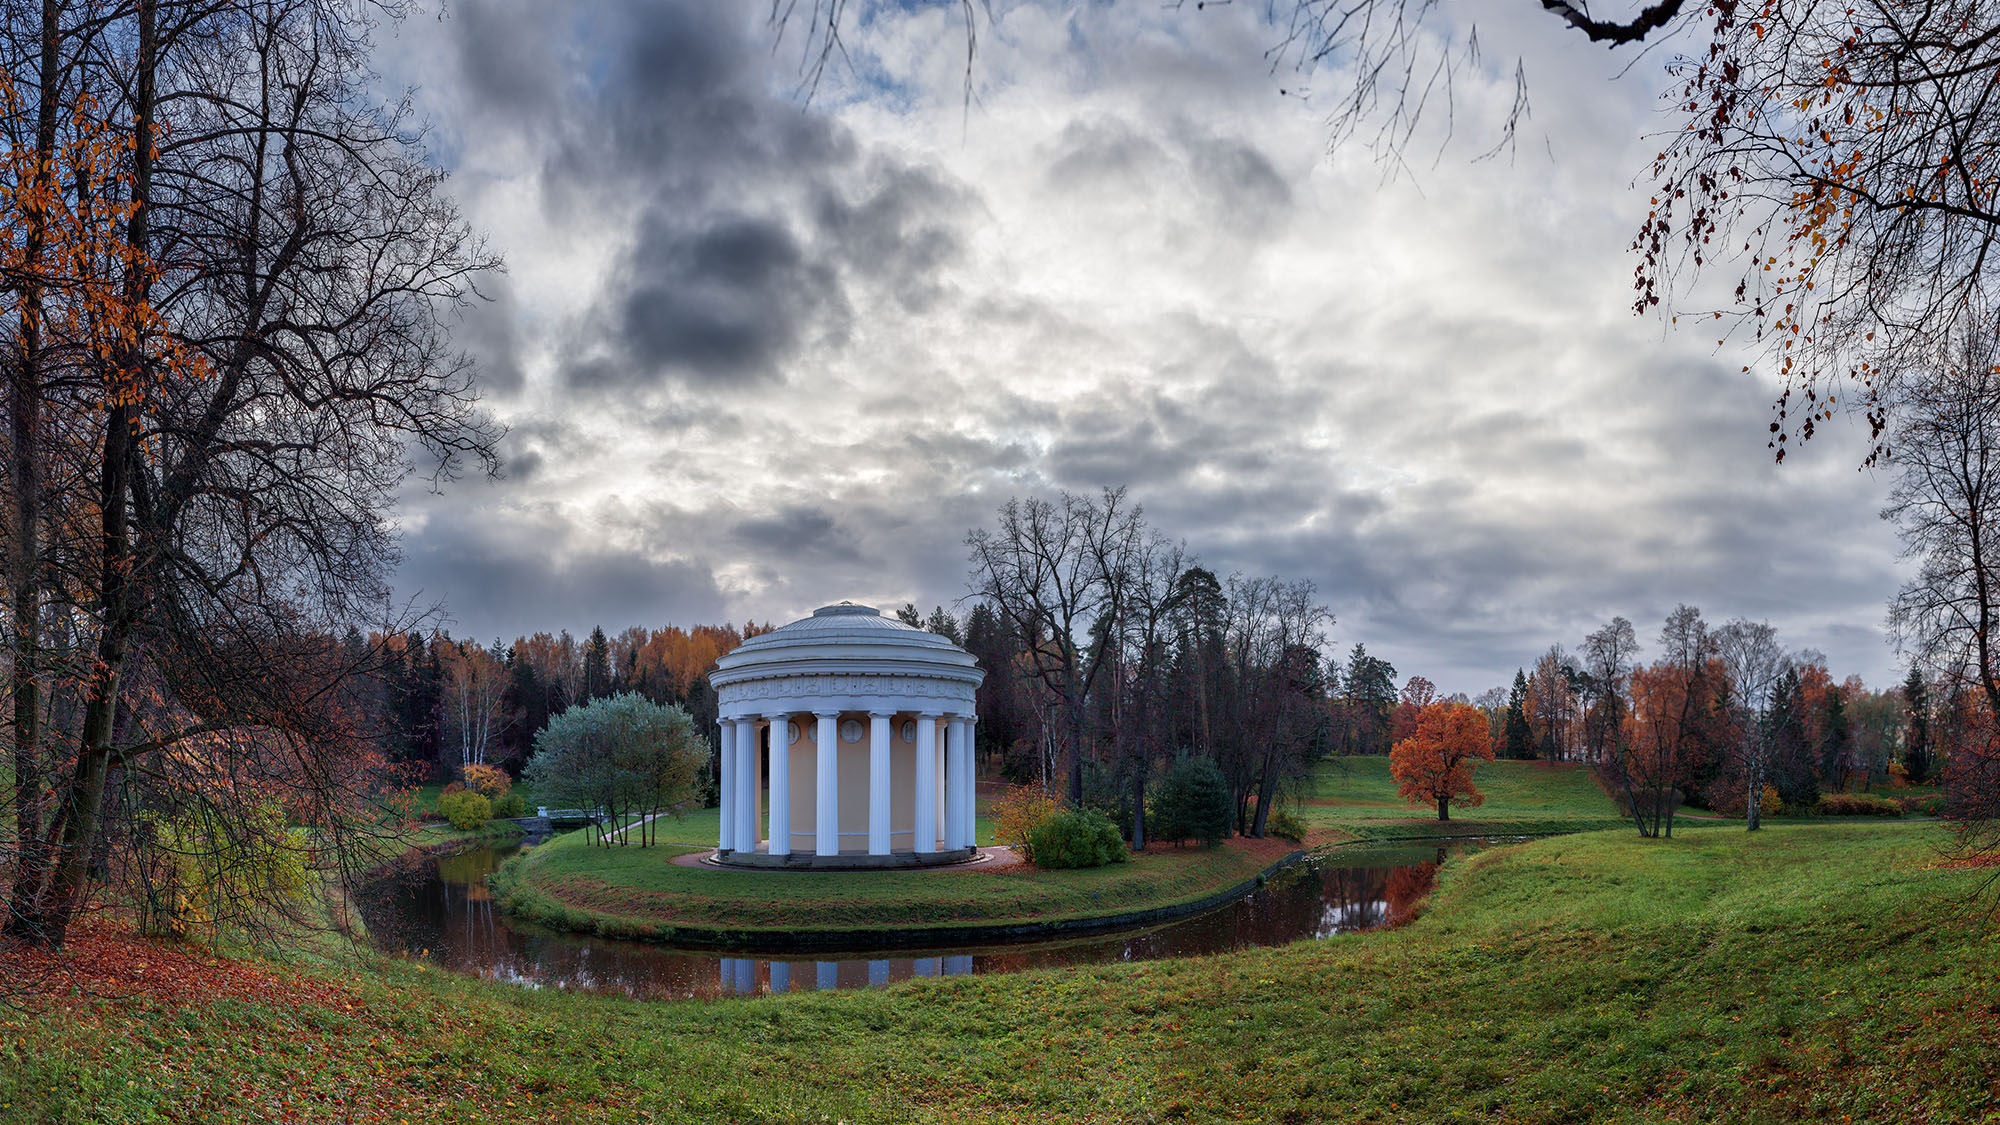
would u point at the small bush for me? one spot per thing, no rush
(1856, 804)
(465, 809)
(453, 787)
(1018, 812)
(1285, 826)
(1768, 801)
(1077, 838)
(1192, 802)
(489, 780)
(510, 805)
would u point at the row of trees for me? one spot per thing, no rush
(442, 704)
(1724, 718)
(1110, 652)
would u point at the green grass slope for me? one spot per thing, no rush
(1829, 972)
(1357, 797)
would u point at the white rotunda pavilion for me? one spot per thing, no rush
(846, 742)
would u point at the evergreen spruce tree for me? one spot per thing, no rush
(596, 665)
(1520, 736)
(1917, 752)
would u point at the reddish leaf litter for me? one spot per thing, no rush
(107, 959)
(1971, 862)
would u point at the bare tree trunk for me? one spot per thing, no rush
(1444, 808)
(24, 572)
(1267, 791)
(1753, 815)
(74, 835)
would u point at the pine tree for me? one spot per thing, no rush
(596, 665)
(1917, 735)
(1520, 736)
(944, 625)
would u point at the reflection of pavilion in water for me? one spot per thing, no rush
(445, 910)
(746, 975)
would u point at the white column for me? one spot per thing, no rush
(973, 781)
(951, 780)
(957, 785)
(746, 786)
(826, 771)
(927, 836)
(781, 785)
(878, 782)
(727, 797)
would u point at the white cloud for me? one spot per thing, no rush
(1129, 262)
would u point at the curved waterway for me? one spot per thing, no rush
(440, 910)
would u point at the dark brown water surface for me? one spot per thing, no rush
(440, 910)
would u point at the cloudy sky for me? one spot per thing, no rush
(758, 355)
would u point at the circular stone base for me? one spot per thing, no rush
(807, 861)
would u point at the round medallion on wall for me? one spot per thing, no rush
(909, 730)
(792, 732)
(850, 730)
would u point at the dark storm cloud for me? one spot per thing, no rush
(721, 302)
(899, 230)
(523, 466)
(799, 532)
(750, 223)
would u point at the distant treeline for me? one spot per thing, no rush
(442, 703)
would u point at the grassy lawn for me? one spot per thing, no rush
(635, 892)
(1828, 972)
(1356, 798)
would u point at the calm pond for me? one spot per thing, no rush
(440, 910)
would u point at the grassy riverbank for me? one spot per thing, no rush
(1829, 972)
(1355, 798)
(634, 892)
(642, 893)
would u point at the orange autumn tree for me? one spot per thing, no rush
(1435, 764)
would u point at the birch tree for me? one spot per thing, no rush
(1753, 661)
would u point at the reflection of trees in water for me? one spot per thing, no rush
(1353, 900)
(443, 909)
(1408, 887)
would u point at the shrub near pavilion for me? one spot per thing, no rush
(1018, 812)
(1077, 838)
(1435, 764)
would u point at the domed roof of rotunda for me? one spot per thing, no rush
(846, 638)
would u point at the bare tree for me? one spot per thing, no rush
(288, 262)
(475, 683)
(1946, 507)
(1753, 661)
(1154, 596)
(1607, 656)
(1275, 633)
(1055, 571)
